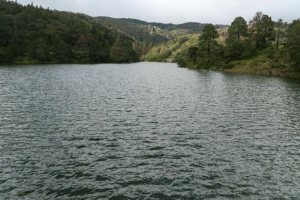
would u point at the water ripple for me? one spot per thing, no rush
(147, 131)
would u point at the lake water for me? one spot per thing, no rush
(147, 131)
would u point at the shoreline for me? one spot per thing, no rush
(259, 68)
(264, 69)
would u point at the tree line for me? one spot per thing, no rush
(32, 34)
(261, 36)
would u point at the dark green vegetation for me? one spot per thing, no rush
(31, 34)
(260, 47)
(293, 35)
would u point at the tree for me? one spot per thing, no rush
(192, 53)
(280, 31)
(207, 43)
(267, 28)
(262, 29)
(238, 28)
(293, 36)
(237, 46)
(254, 22)
(239, 49)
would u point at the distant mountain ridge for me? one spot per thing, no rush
(153, 32)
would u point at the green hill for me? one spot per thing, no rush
(177, 48)
(168, 51)
(31, 34)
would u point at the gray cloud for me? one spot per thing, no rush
(178, 11)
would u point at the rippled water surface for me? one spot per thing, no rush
(147, 131)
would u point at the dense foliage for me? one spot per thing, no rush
(293, 35)
(31, 34)
(208, 46)
(260, 41)
(260, 47)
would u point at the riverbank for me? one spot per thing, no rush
(277, 65)
(264, 69)
(29, 61)
(263, 65)
(257, 66)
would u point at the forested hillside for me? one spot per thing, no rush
(31, 34)
(261, 46)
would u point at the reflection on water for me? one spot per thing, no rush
(147, 130)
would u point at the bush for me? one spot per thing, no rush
(154, 57)
(182, 62)
(183, 40)
(167, 52)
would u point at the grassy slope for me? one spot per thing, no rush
(262, 65)
(176, 47)
(166, 52)
(274, 62)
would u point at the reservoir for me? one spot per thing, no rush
(147, 131)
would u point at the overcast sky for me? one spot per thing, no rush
(178, 11)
